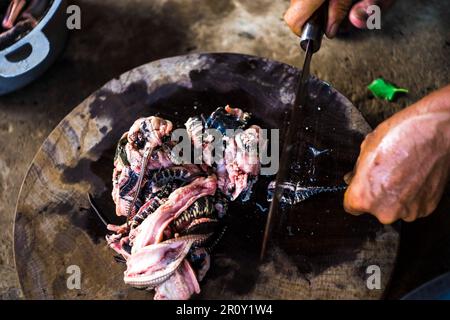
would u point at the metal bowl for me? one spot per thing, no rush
(28, 58)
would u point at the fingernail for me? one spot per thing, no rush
(361, 14)
(348, 177)
(332, 31)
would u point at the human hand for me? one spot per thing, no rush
(301, 10)
(404, 163)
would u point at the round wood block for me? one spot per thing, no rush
(317, 252)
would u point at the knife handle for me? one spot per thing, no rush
(314, 28)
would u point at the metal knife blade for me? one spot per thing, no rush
(310, 42)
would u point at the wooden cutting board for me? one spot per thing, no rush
(320, 252)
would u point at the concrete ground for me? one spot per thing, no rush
(412, 49)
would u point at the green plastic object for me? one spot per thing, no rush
(384, 90)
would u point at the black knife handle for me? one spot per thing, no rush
(314, 28)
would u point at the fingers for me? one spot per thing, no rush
(357, 202)
(337, 11)
(386, 218)
(358, 15)
(299, 12)
(356, 206)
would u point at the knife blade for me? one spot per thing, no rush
(310, 42)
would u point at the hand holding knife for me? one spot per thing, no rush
(310, 42)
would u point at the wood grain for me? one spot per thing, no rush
(319, 251)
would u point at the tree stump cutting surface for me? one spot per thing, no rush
(319, 251)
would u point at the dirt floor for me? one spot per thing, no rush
(412, 50)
